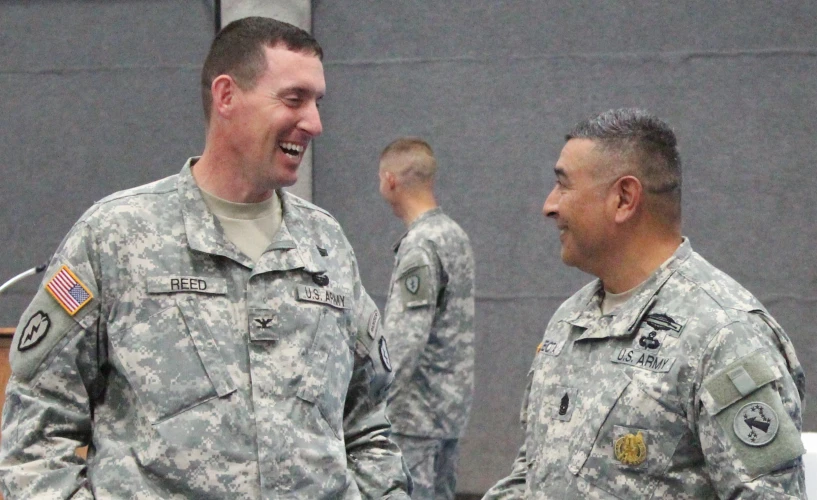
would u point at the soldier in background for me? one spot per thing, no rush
(663, 378)
(208, 335)
(429, 321)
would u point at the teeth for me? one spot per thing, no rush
(291, 148)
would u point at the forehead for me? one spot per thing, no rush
(579, 156)
(292, 69)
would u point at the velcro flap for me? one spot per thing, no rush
(738, 380)
(412, 262)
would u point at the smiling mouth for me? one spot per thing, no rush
(291, 149)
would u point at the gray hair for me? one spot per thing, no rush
(644, 141)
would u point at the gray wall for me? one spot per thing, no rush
(495, 85)
(97, 96)
(101, 95)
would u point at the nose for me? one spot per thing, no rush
(551, 206)
(311, 120)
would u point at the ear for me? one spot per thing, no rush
(223, 90)
(627, 195)
(391, 180)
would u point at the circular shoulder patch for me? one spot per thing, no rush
(756, 423)
(384, 354)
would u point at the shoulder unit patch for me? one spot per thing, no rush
(34, 331)
(756, 423)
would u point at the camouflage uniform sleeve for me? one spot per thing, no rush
(748, 412)
(47, 411)
(411, 309)
(374, 460)
(513, 486)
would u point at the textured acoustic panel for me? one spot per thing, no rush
(97, 97)
(495, 85)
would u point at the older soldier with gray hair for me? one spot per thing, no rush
(429, 321)
(208, 335)
(664, 378)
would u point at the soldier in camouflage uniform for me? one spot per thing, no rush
(664, 378)
(191, 363)
(429, 321)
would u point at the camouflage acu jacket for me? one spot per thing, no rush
(689, 390)
(193, 372)
(429, 322)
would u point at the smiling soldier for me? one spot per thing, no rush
(208, 335)
(663, 378)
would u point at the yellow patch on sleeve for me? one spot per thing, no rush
(68, 290)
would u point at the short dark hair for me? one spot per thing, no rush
(644, 139)
(416, 162)
(238, 51)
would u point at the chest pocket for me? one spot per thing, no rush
(635, 439)
(172, 361)
(328, 370)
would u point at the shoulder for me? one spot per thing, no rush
(715, 286)
(713, 312)
(306, 210)
(414, 255)
(708, 289)
(140, 199)
(440, 237)
(439, 227)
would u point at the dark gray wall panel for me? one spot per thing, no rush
(736, 83)
(461, 28)
(97, 97)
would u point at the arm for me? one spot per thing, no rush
(47, 412)
(375, 461)
(410, 311)
(748, 412)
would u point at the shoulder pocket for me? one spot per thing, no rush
(750, 413)
(172, 361)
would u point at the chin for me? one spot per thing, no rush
(287, 180)
(565, 255)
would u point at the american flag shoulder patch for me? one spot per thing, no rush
(68, 290)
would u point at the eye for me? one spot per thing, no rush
(293, 101)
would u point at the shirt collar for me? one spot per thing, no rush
(293, 247)
(416, 222)
(624, 319)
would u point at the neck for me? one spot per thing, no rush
(220, 174)
(409, 209)
(637, 260)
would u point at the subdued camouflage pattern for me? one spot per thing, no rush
(643, 402)
(433, 465)
(194, 372)
(429, 321)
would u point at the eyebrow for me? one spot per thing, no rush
(560, 172)
(302, 92)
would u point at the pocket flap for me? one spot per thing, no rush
(737, 381)
(581, 444)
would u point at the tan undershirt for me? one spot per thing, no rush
(612, 301)
(249, 226)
